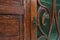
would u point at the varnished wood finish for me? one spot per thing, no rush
(30, 11)
(11, 20)
(11, 6)
(33, 14)
(9, 27)
(28, 19)
(16, 19)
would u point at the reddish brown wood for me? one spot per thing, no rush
(28, 19)
(9, 27)
(11, 20)
(33, 14)
(11, 6)
(16, 19)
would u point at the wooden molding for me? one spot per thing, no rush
(30, 11)
(33, 14)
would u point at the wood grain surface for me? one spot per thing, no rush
(15, 19)
(11, 27)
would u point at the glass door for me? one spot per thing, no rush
(47, 20)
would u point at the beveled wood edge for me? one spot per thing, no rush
(25, 20)
(30, 12)
(27, 24)
(33, 14)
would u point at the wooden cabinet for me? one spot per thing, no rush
(15, 20)
(12, 20)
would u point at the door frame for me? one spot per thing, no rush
(30, 7)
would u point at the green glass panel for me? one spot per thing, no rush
(54, 34)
